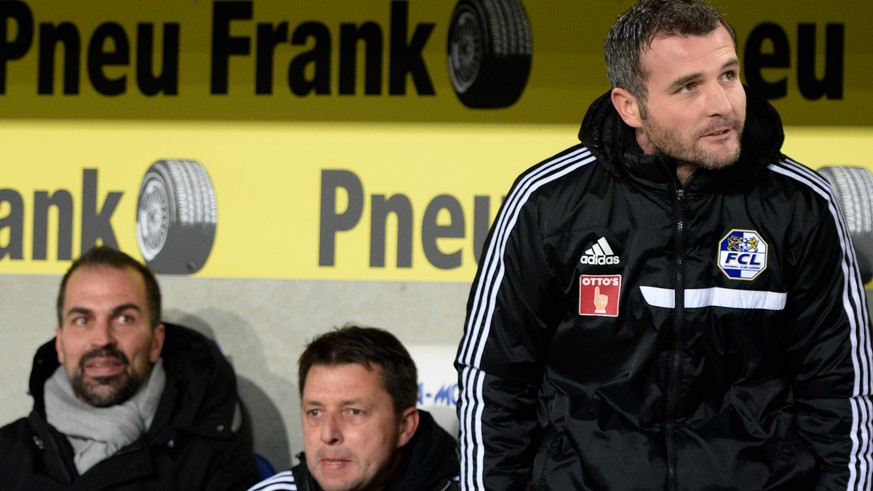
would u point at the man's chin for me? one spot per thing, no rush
(104, 391)
(722, 156)
(102, 396)
(335, 483)
(718, 160)
(717, 165)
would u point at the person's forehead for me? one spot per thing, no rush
(351, 380)
(87, 280)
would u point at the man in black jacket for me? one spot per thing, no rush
(361, 429)
(122, 401)
(672, 304)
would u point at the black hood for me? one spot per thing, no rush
(614, 143)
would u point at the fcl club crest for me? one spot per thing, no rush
(742, 254)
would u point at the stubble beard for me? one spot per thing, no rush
(106, 391)
(668, 143)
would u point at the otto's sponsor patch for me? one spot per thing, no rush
(742, 254)
(599, 295)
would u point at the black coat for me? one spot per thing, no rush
(190, 445)
(628, 332)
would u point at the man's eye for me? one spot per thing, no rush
(80, 321)
(313, 413)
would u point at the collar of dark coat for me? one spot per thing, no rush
(130, 464)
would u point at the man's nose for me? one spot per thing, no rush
(718, 101)
(102, 335)
(330, 431)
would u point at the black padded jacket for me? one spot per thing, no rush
(626, 332)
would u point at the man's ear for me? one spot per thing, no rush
(408, 425)
(59, 346)
(627, 106)
(157, 343)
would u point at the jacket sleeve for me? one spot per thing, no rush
(499, 360)
(829, 350)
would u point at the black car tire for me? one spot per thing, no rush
(489, 52)
(854, 189)
(176, 216)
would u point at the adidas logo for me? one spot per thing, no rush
(600, 254)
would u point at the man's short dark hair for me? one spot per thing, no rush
(113, 258)
(368, 346)
(633, 33)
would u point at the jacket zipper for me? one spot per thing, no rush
(675, 371)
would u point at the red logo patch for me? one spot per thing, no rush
(599, 294)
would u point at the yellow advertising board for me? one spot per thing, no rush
(392, 60)
(352, 140)
(292, 200)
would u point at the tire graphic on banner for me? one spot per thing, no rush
(176, 216)
(489, 52)
(854, 189)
